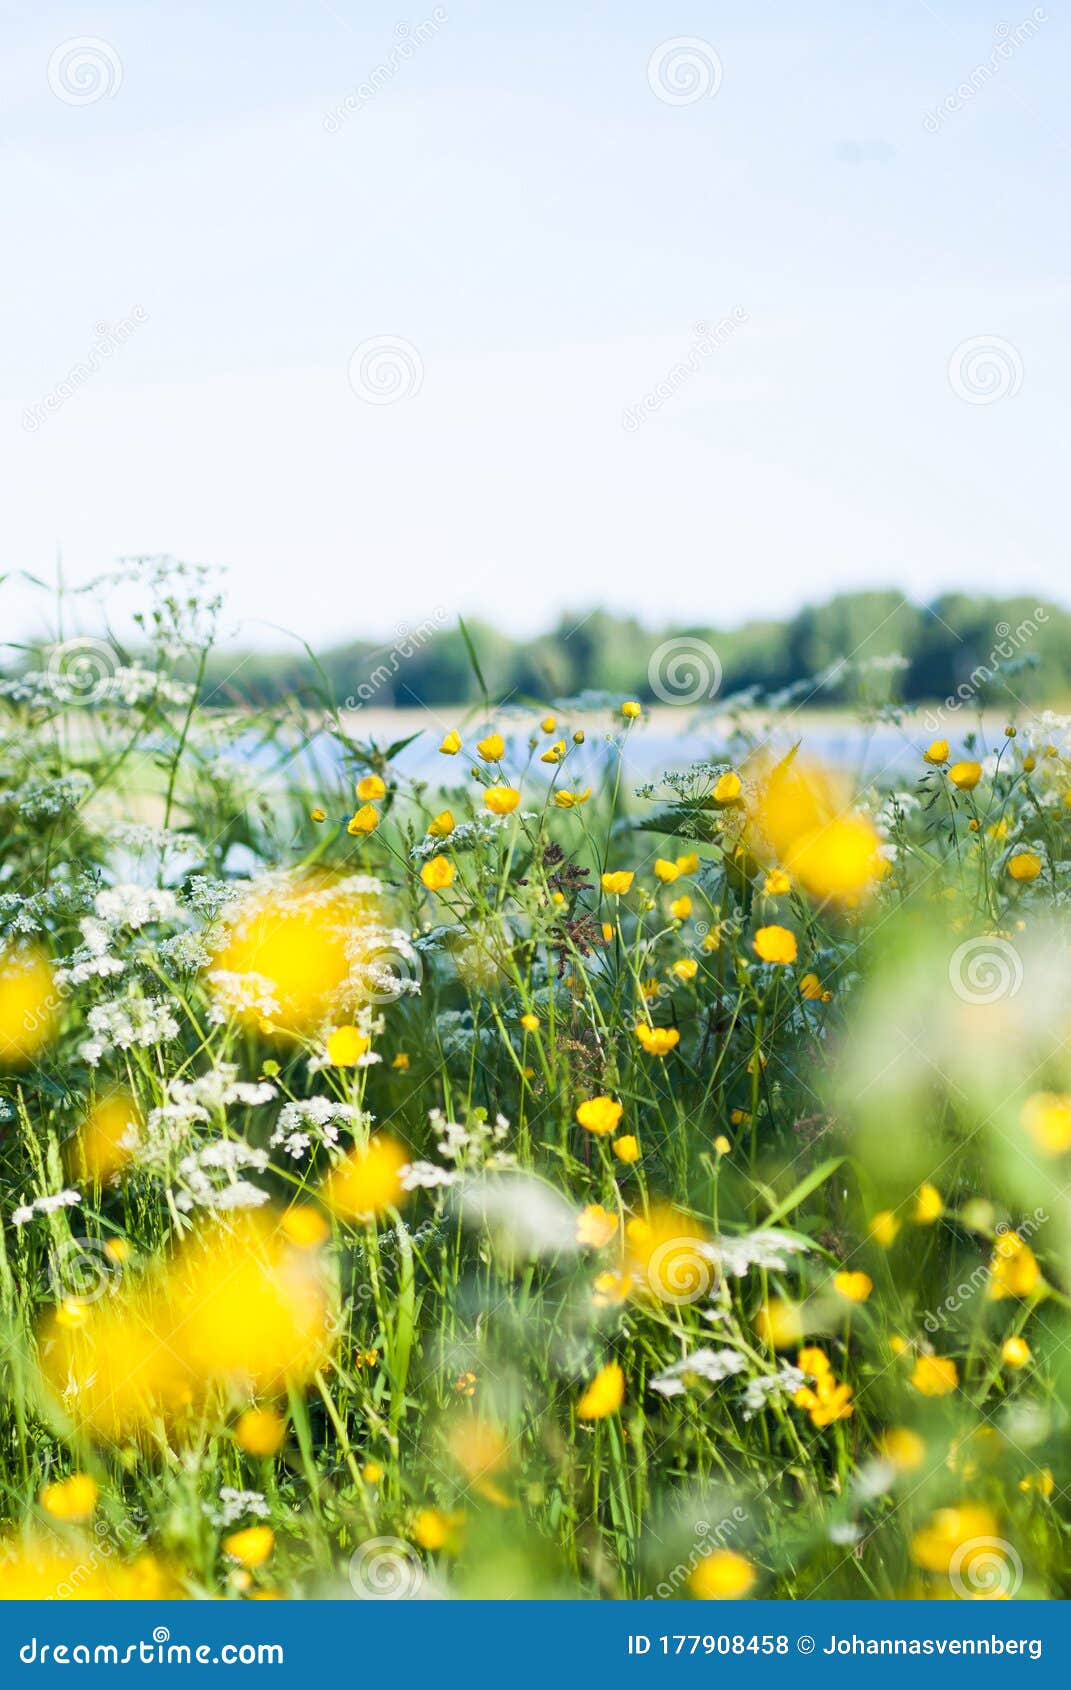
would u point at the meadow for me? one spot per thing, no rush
(494, 1177)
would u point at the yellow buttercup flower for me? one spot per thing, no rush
(345, 1046)
(688, 863)
(777, 883)
(437, 874)
(604, 1395)
(949, 1538)
(937, 752)
(618, 881)
(727, 787)
(318, 814)
(681, 908)
(630, 710)
(1015, 1352)
(599, 1115)
(363, 821)
(721, 1575)
(779, 1324)
(501, 800)
(626, 1148)
(665, 871)
(775, 944)
(548, 724)
(685, 968)
(811, 987)
(554, 753)
(441, 825)
(451, 744)
(902, 1448)
(401, 1061)
(657, 1041)
(965, 775)
(432, 1529)
(571, 800)
(369, 787)
(492, 749)
(530, 1022)
(1024, 865)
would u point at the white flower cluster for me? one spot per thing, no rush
(426, 1176)
(92, 960)
(757, 1392)
(314, 1120)
(192, 1104)
(129, 685)
(209, 1178)
(711, 1366)
(233, 1504)
(124, 1023)
(47, 799)
(469, 1144)
(766, 1249)
(241, 994)
(45, 1206)
(136, 906)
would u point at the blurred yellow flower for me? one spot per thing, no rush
(367, 1183)
(305, 1226)
(105, 1141)
(618, 881)
(883, 1228)
(665, 871)
(1046, 1117)
(548, 724)
(779, 1324)
(688, 863)
(250, 1547)
(777, 883)
(626, 1148)
(685, 968)
(369, 787)
(630, 710)
(937, 752)
(956, 1536)
(1024, 865)
(451, 743)
(260, 1431)
(595, 1226)
(856, 1287)
(70, 1499)
(441, 825)
(604, 1395)
(681, 908)
(721, 1575)
(1013, 1268)
(571, 800)
(935, 1376)
(530, 1022)
(727, 787)
(1015, 1352)
(318, 814)
(965, 775)
(811, 987)
(929, 1205)
(491, 749)
(902, 1448)
(28, 1005)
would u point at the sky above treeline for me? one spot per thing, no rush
(694, 312)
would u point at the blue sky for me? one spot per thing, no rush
(549, 246)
